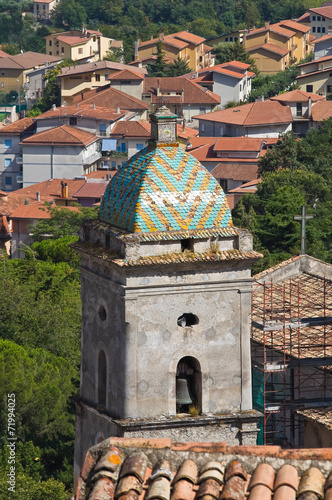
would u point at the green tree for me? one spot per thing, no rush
(158, 68)
(63, 222)
(70, 14)
(51, 93)
(178, 67)
(229, 51)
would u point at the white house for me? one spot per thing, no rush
(62, 152)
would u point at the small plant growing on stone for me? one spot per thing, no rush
(194, 410)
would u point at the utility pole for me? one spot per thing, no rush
(303, 218)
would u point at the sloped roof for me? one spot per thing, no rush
(98, 65)
(72, 39)
(305, 18)
(316, 61)
(63, 135)
(322, 39)
(36, 211)
(164, 189)
(321, 110)
(295, 25)
(126, 74)
(189, 37)
(49, 190)
(132, 468)
(179, 40)
(297, 96)
(192, 92)
(256, 113)
(323, 11)
(3, 54)
(27, 60)
(322, 416)
(112, 98)
(238, 144)
(235, 170)
(94, 188)
(18, 127)
(270, 47)
(83, 110)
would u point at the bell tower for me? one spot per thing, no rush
(166, 293)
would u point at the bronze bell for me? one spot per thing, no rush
(182, 392)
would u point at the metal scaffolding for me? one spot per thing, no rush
(291, 353)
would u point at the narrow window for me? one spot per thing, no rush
(97, 78)
(72, 120)
(102, 378)
(298, 109)
(309, 88)
(188, 386)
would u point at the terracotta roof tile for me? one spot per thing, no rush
(322, 39)
(323, 11)
(158, 483)
(189, 37)
(297, 95)
(18, 127)
(64, 134)
(91, 67)
(322, 416)
(126, 74)
(92, 189)
(38, 211)
(138, 129)
(84, 111)
(321, 110)
(270, 47)
(192, 92)
(112, 98)
(238, 144)
(293, 25)
(316, 61)
(188, 471)
(256, 113)
(235, 171)
(27, 60)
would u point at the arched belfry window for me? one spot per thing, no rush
(102, 378)
(188, 385)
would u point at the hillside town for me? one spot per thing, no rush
(166, 258)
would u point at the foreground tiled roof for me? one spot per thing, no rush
(94, 188)
(164, 189)
(255, 113)
(64, 134)
(111, 98)
(160, 469)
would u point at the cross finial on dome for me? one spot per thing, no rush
(163, 127)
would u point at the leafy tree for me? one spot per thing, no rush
(178, 67)
(51, 93)
(70, 14)
(158, 68)
(63, 222)
(271, 85)
(229, 51)
(115, 55)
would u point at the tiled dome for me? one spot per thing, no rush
(164, 189)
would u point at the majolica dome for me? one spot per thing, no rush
(163, 188)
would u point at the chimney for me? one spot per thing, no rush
(53, 107)
(38, 196)
(183, 124)
(93, 106)
(136, 49)
(117, 111)
(196, 74)
(309, 107)
(77, 105)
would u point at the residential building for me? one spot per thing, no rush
(182, 96)
(62, 152)
(35, 82)
(316, 76)
(11, 160)
(295, 110)
(92, 191)
(230, 81)
(257, 119)
(157, 220)
(234, 195)
(95, 119)
(319, 20)
(42, 8)
(322, 46)
(173, 469)
(191, 48)
(14, 69)
(80, 78)
(110, 97)
(278, 45)
(79, 45)
(129, 81)
(301, 106)
(234, 36)
(129, 137)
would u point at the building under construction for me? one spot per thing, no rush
(291, 346)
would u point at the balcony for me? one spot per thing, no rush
(115, 154)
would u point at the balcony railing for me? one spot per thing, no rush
(115, 154)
